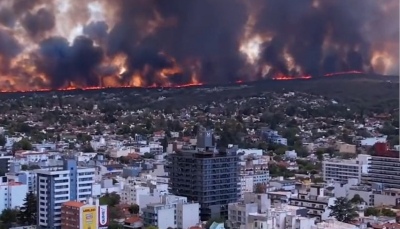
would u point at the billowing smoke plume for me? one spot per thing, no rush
(77, 43)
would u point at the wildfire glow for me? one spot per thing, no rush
(383, 62)
(36, 67)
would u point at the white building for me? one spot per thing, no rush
(30, 156)
(283, 217)
(246, 184)
(351, 188)
(24, 177)
(371, 141)
(282, 184)
(172, 211)
(342, 170)
(135, 191)
(291, 154)
(58, 186)
(372, 197)
(316, 203)
(12, 194)
(238, 213)
(152, 147)
(252, 175)
(253, 152)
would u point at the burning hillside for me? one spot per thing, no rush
(61, 44)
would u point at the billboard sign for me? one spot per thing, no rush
(89, 218)
(103, 215)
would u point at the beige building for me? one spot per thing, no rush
(345, 148)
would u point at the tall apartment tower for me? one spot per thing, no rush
(384, 167)
(5, 164)
(205, 175)
(55, 187)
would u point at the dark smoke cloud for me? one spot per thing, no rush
(303, 28)
(7, 17)
(42, 21)
(22, 6)
(272, 55)
(322, 36)
(97, 31)
(65, 63)
(205, 29)
(9, 46)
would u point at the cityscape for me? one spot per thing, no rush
(199, 114)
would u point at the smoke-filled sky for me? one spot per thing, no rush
(69, 43)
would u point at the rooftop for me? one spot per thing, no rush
(74, 204)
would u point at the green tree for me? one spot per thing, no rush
(3, 140)
(23, 144)
(87, 148)
(372, 211)
(343, 210)
(8, 217)
(82, 137)
(263, 145)
(110, 199)
(388, 212)
(277, 158)
(115, 225)
(320, 154)
(330, 151)
(318, 180)
(134, 209)
(357, 199)
(27, 214)
(151, 227)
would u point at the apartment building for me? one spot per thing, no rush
(238, 212)
(372, 195)
(352, 188)
(284, 185)
(12, 194)
(55, 187)
(272, 136)
(315, 201)
(252, 175)
(247, 216)
(278, 198)
(70, 214)
(152, 147)
(140, 195)
(342, 170)
(5, 163)
(91, 215)
(205, 175)
(172, 211)
(384, 167)
(24, 177)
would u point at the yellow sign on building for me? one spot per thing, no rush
(89, 217)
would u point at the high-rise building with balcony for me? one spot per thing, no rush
(55, 187)
(384, 167)
(206, 175)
